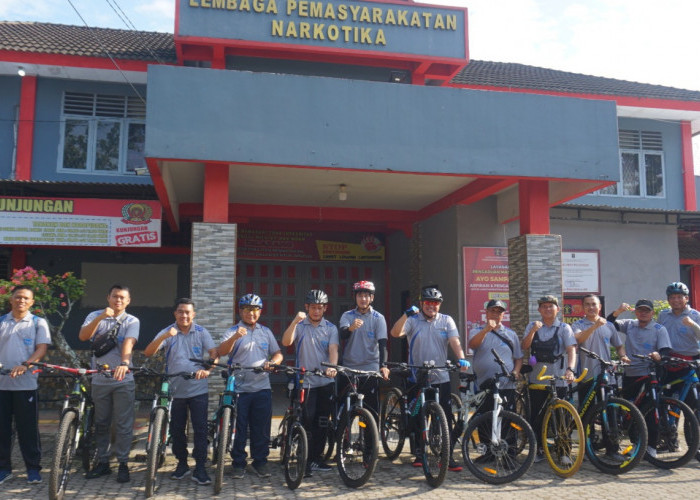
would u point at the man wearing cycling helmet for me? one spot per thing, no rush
(429, 333)
(316, 341)
(364, 331)
(251, 344)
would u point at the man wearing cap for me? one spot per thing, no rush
(647, 337)
(560, 360)
(494, 335)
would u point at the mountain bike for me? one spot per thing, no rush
(686, 384)
(563, 438)
(355, 430)
(291, 436)
(422, 419)
(671, 424)
(616, 434)
(76, 427)
(498, 446)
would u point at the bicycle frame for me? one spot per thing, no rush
(688, 383)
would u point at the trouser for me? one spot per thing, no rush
(538, 398)
(508, 396)
(368, 386)
(23, 406)
(630, 389)
(198, 407)
(254, 413)
(445, 402)
(317, 409)
(114, 403)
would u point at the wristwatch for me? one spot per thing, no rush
(569, 369)
(124, 363)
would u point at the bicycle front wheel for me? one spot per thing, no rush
(63, 455)
(223, 442)
(357, 447)
(563, 438)
(678, 438)
(436, 443)
(296, 454)
(392, 428)
(153, 449)
(616, 436)
(502, 460)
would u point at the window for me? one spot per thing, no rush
(641, 165)
(102, 133)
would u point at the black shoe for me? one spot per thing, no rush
(200, 475)
(123, 473)
(101, 469)
(180, 471)
(308, 472)
(320, 466)
(484, 459)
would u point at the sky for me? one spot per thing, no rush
(638, 40)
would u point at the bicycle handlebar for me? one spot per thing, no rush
(353, 371)
(426, 366)
(151, 372)
(4, 371)
(75, 372)
(543, 377)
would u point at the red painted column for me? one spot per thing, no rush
(25, 130)
(694, 286)
(534, 206)
(18, 259)
(215, 192)
(688, 168)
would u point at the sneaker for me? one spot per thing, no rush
(320, 466)
(101, 469)
(180, 471)
(651, 452)
(200, 475)
(566, 461)
(454, 466)
(539, 457)
(238, 472)
(308, 472)
(5, 475)
(615, 456)
(123, 473)
(33, 476)
(417, 462)
(262, 470)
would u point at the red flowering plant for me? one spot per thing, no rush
(54, 297)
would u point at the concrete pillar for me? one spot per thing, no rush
(213, 283)
(534, 270)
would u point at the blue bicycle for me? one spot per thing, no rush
(685, 385)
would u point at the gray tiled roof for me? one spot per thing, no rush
(48, 38)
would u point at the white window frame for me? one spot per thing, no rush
(93, 118)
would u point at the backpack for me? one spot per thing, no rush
(543, 350)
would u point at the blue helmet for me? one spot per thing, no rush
(677, 287)
(250, 299)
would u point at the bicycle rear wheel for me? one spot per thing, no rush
(153, 449)
(392, 428)
(63, 455)
(504, 461)
(296, 454)
(436, 443)
(678, 434)
(616, 436)
(357, 447)
(223, 443)
(563, 438)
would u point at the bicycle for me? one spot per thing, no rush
(354, 429)
(688, 384)
(159, 425)
(431, 429)
(616, 434)
(563, 438)
(672, 418)
(493, 442)
(76, 427)
(291, 437)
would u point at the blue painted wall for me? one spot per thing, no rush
(297, 120)
(673, 170)
(9, 102)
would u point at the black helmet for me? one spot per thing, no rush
(431, 293)
(316, 297)
(677, 287)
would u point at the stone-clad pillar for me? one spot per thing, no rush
(213, 283)
(534, 270)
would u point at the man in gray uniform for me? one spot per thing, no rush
(114, 398)
(24, 339)
(253, 345)
(364, 331)
(316, 341)
(183, 340)
(644, 336)
(560, 342)
(429, 333)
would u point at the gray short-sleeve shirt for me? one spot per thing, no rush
(566, 339)
(129, 329)
(599, 342)
(683, 339)
(312, 343)
(252, 350)
(18, 341)
(361, 350)
(427, 341)
(485, 365)
(178, 351)
(642, 341)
